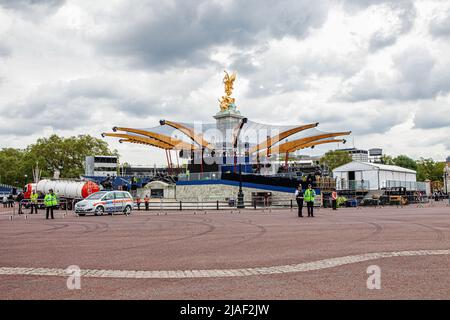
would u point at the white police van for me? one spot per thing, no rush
(105, 202)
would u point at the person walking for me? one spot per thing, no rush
(34, 202)
(309, 196)
(334, 199)
(50, 202)
(5, 201)
(299, 199)
(146, 200)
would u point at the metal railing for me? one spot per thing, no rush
(26, 204)
(199, 176)
(255, 202)
(23, 208)
(355, 185)
(172, 204)
(409, 185)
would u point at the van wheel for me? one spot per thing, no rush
(127, 210)
(99, 211)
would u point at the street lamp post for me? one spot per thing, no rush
(446, 174)
(445, 178)
(240, 196)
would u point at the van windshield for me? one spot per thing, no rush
(96, 196)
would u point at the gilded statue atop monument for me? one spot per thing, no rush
(227, 102)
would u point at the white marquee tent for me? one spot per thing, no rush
(375, 176)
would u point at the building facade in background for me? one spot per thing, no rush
(101, 166)
(375, 155)
(357, 154)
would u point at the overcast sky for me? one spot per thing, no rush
(378, 68)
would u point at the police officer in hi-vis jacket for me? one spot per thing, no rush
(309, 196)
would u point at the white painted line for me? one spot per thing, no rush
(216, 273)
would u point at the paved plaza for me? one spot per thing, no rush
(251, 254)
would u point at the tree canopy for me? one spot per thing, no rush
(335, 158)
(427, 169)
(52, 153)
(405, 162)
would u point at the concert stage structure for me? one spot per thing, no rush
(231, 140)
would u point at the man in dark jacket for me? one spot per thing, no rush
(299, 199)
(19, 202)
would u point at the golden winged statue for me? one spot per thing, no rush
(228, 82)
(227, 100)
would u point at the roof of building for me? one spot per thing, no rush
(359, 165)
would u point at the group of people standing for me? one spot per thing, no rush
(146, 202)
(309, 196)
(50, 203)
(8, 201)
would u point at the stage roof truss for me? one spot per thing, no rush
(283, 135)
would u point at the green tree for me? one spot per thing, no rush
(385, 159)
(12, 170)
(66, 154)
(333, 159)
(428, 169)
(405, 162)
(52, 153)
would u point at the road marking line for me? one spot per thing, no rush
(217, 273)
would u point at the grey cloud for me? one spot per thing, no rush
(288, 76)
(432, 115)
(446, 143)
(403, 9)
(161, 34)
(67, 105)
(33, 9)
(64, 106)
(406, 14)
(4, 50)
(363, 4)
(440, 26)
(379, 120)
(380, 40)
(418, 76)
(244, 63)
(276, 81)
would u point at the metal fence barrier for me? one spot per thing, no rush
(256, 202)
(26, 204)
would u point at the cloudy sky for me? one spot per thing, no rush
(378, 68)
